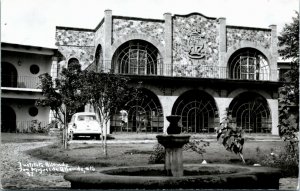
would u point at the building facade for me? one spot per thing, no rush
(189, 65)
(20, 67)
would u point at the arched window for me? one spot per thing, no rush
(72, 61)
(251, 112)
(249, 64)
(142, 115)
(198, 112)
(137, 57)
(9, 75)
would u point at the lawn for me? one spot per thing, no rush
(129, 154)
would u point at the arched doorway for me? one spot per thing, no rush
(251, 112)
(137, 57)
(249, 64)
(8, 119)
(198, 112)
(142, 115)
(9, 75)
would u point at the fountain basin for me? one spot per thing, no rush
(195, 176)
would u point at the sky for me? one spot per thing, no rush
(32, 22)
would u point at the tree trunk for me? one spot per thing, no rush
(65, 138)
(105, 140)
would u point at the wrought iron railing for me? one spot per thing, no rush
(19, 81)
(183, 70)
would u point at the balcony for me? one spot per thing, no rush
(19, 81)
(189, 71)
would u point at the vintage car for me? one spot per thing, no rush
(84, 124)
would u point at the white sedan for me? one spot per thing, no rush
(84, 124)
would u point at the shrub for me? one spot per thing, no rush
(35, 127)
(287, 160)
(197, 146)
(158, 155)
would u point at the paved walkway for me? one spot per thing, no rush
(12, 178)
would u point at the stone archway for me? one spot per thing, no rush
(198, 111)
(8, 119)
(137, 57)
(249, 64)
(251, 112)
(145, 114)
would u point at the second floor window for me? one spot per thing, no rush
(137, 57)
(249, 64)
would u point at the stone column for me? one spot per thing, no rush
(167, 103)
(222, 104)
(173, 152)
(173, 163)
(222, 47)
(107, 40)
(274, 53)
(273, 104)
(167, 67)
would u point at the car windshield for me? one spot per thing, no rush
(86, 118)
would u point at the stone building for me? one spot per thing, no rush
(20, 67)
(189, 65)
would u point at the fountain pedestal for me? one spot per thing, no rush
(173, 153)
(173, 143)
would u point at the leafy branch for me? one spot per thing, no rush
(230, 136)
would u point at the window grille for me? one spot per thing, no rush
(142, 115)
(198, 112)
(251, 112)
(249, 64)
(137, 57)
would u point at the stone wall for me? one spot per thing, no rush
(78, 44)
(73, 37)
(195, 46)
(123, 27)
(237, 34)
(85, 55)
(99, 35)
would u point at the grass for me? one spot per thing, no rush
(138, 154)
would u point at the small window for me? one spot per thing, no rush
(34, 69)
(33, 111)
(86, 118)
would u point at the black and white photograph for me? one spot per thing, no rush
(149, 94)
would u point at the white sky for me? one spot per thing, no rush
(32, 22)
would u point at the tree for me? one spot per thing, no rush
(232, 137)
(289, 93)
(63, 95)
(107, 93)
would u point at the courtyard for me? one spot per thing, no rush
(123, 150)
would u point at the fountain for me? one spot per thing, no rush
(174, 175)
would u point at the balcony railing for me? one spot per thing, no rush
(185, 70)
(19, 81)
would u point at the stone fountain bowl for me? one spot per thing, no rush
(196, 176)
